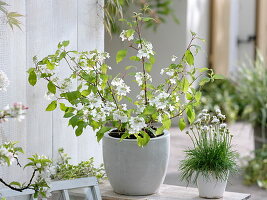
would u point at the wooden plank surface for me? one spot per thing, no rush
(167, 192)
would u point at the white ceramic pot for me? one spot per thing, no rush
(211, 188)
(134, 170)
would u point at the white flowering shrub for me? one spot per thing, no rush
(9, 152)
(212, 151)
(97, 99)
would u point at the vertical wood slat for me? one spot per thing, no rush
(64, 28)
(12, 62)
(219, 48)
(90, 15)
(261, 27)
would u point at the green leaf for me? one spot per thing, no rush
(135, 58)
(121, 55)
(185, 84)
(152, 60)
(189, 58)
(101, 132)
(190, 114)
(142, 141)
(73, 121)
(204, 81)
(166, 122)
(52, 106)
(49, 65)
(181, 124)
(79, 131)
(203, 69)
(51, 87)
(15, 183)
(130, 67)
(65, 43)
(62, 107)
(32, 78)
(160, 130)
(85, 92)
(148, 67)
(198, 96)
(149, 110)
(218, 76)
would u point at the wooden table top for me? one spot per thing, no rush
(167, 192)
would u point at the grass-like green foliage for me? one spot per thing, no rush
(256, 170)
(67, 171)
(12, 18)
(251, 80)
(222, 94)
(114, 10)
(212, 152)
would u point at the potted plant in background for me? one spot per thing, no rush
(251, 84)
(211, 159)
(101, 101)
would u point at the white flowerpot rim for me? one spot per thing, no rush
(165, 134)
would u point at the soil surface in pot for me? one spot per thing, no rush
(117, 134)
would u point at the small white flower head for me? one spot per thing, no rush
(160, 100)
(6, 108)
(49, 96)
(205, 111)
(4, 81)
(205, 128)
(173, 81)
(215, 120)
(127, 35)
(145, 50)
(198, 121)
(139, 77)
(38, 165)
(162, 71)
(221, 116)
(174, 58)
(218, 111)
(223, 126)
(170, 73)
(121, 88)
(120, 116)
(136, 124)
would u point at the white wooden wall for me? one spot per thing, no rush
(45, 23)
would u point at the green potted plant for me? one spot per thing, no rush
(251, 81)
(211, 159)
(101, 101)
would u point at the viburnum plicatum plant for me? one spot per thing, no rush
(9, 152)
(99, 99)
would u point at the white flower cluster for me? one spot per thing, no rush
(6, 154)
(145, 50)
(169, 72)
(4, 81)
(136, 124)
(126, 35)
(160, 100)
(119, 115)
(17, 110)
(120, 87)
(98, 109)
(139, 77)
(206, 121)
(98, 56)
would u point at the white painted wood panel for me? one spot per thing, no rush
(45, 23)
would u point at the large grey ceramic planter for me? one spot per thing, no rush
(134, 170)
